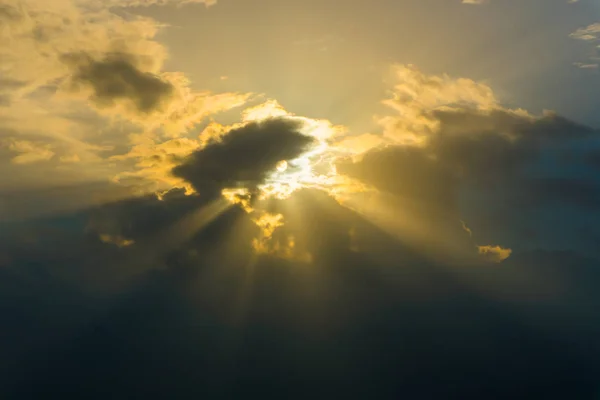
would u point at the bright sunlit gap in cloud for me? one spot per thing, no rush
(314, 169)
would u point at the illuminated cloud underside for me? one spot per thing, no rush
(109, 67)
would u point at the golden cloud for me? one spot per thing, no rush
(75, 69)
(266, 244)
(117, 240)
(28, 152)
(414, 95)
(495, 254)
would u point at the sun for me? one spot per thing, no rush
(281, 166)
(314, 169)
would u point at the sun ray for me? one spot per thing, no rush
(146, 252)
(421, 229)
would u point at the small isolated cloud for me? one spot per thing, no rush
(123, 84)
(117, 240)
(474, 1)
(495, 254)
(268, 223)
(586, 65)
(116, 78)
(589, 32)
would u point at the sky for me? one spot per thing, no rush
(367, 199)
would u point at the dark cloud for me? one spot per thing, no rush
(208, 319)
(579, 193)
(408, 172)
(511, 124)
(499, 145)
(422, 206)
(117, 78)
(189, 310)
(483, 148)
(592, 158)
(244, 156)
(499, 171)
(19, 205)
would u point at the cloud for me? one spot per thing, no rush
(592, 158)
(116, 78)
(118, 241)
(591, 34)
(115, 54)
(495, 253)
(268, 224)
(306, 250)
(452, 153)
(414, 94)
(146, 3)
(343, 311)
(29, 152)
(346, 267)
(586, 65)
(587, 33)
(244, 156)
(82, 82)
(359, 144)
(39, 34)
(56, 198)
(478, 2)
(120, 84)
(154, 163)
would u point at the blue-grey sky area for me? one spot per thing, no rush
(289, 199)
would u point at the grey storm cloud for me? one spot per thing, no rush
(474, 147)
(592, 158)
(495, 170)
(180, 318)
(499, 144)
(117, 78)
(245, 155)
(118, 315)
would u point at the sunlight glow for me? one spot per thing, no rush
(281, 166)
(184, 229)
(241, 196)
(147, 251)
(314, 169)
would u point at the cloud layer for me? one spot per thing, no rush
(155, 242)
